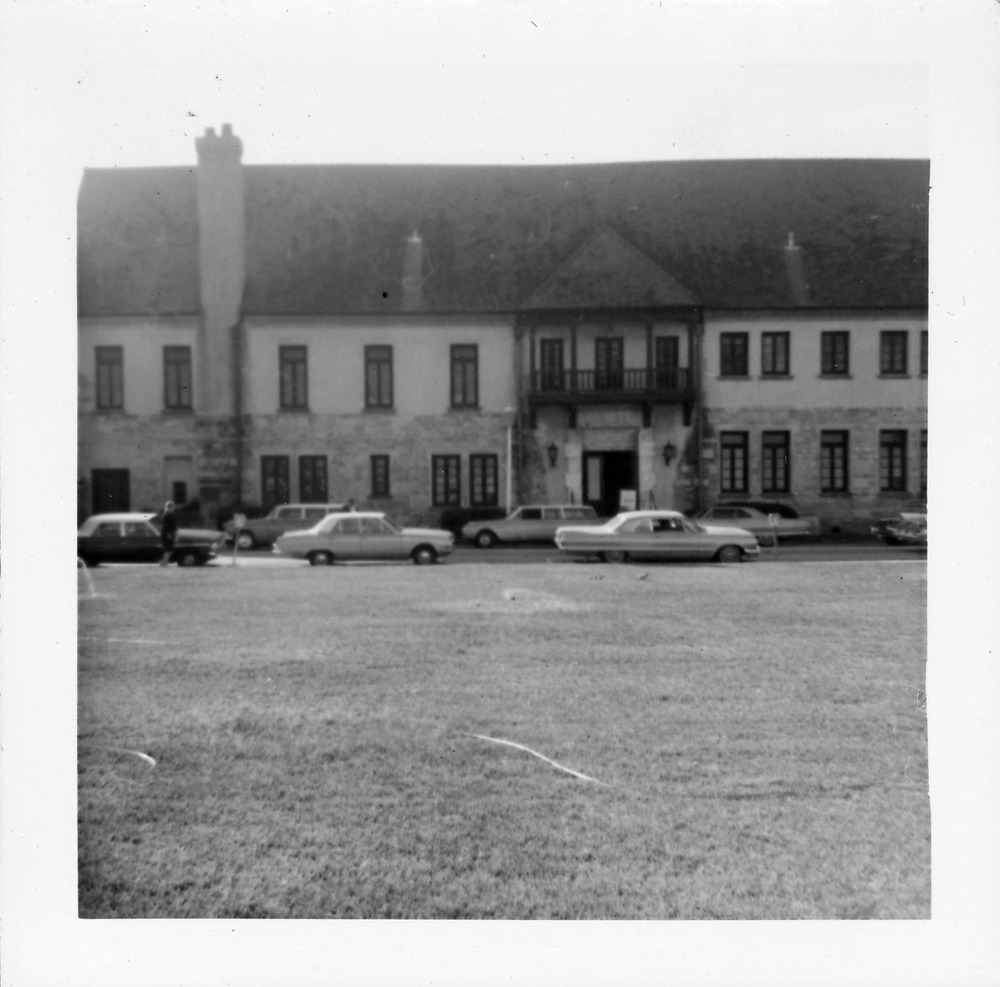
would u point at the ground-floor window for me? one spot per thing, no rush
(380, 476)
(923, 461)
(447, 481)
(273, 481)
(775, 462)
(313, 479)
(833, 476)
(733, 466)
(892, 460)
(109, 490)
(483, 490)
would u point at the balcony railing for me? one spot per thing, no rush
(605, 385)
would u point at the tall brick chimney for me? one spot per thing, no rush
(412, 296)
(798, 285)
(221, 264)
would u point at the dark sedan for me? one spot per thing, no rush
(135, 538)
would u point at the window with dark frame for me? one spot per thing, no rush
(380, 476)
(446, 473)
(666, 360)
(835, 356)
(551, 359)
(110, 378)
(892, 352)
(923, 353)
(734, 348)
(775, 462)
(833, 475)
(733, 472)
(378, 376)
(177, 378)
(313, 479)
(465, 376)
(923, 461)
(483, 486)
(892, 460)
(774, 354)
(294, 378)
(609, 362)
(273, 481)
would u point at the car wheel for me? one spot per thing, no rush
(729, 553)
(424, 555)
(320, 558)
(188, 558)
(246, 541)
(615, 556)
(486, 539)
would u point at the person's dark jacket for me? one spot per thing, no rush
(168, 529)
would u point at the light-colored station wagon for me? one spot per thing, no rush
(261, 532)
(535, 522)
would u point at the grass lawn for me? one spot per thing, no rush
(755, 736)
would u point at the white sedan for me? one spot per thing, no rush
(758, 523)
(665, 535)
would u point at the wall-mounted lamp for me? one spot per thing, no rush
(553, 451)
(669, 451)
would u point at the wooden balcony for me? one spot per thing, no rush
(646, 387)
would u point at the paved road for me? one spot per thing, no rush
(866, 551)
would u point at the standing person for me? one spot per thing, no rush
(168, 531)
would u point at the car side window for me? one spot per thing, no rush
(289, 513)
(348, 526)
(138, 529)
(531, 514)
(551, 513)
(371, 526)
(315, 513)
(108, 529)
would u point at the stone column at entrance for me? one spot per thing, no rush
(647, 467)
(574, 467)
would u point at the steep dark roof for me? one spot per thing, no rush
(330, 239)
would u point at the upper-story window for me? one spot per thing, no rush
(465, 376)
(110, 378)
(774, 349)
(551, 358)
(892, 352)
(835, 355)
(666, 360)
(294, 377)
(177, 377)
(378, 376)
(923, 353)
(609, 362)
(734, 348)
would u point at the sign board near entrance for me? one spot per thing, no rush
(627, 500)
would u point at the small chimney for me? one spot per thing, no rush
(798, 285)
(412, 298)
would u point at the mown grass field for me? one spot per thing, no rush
(755, 734)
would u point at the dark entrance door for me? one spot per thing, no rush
(605, 475)
(110, 491)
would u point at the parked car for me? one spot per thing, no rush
(666, 535)
(261, 532)
(902, 529)
(758, 523)
(537, 522)
(364, 536)
(136, 538)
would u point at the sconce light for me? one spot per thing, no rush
(669, 451)
(553, 452)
